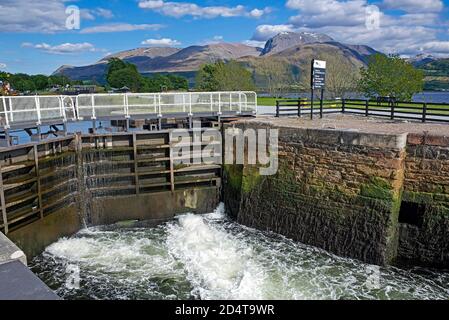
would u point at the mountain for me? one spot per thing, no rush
(286, 40)
(293, 64)
(359, 52)
(143, 52)
(192, 58)
(288, 53)
(421, 59)
(436, 73)
(97, 71)
(163, 60)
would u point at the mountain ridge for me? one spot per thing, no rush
(286, 40)
(190, 59)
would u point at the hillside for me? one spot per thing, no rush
(163, 60)
(143, 52)
(291, 67)
(286, 56)
(286, 40)
(96, 72)
(437, 74)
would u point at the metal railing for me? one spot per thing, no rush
(300, 107)
(39, 110)
(419, 111)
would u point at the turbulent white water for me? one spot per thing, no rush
(210, 257)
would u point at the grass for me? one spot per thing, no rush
(415, 108)
(404, 107)
(267, 101)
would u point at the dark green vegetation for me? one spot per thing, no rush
(221, 76)
(35, 83)
(436, 74)
(390, 76)
(124, 74)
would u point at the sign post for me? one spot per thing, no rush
(318, 81)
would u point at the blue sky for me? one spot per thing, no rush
(34, 37)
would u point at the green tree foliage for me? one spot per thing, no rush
(58, 80)
(160, 83)
(275, 75)
(34, 83)
(178, 82)
(390, 76)
(123, 74)
(40, 82)
(222, 76)
(126, 77)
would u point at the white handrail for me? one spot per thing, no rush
(47, 109)
(38, 110)
(93, 107)
(10, 109)
(5, 112)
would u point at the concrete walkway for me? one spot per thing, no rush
(17, 282)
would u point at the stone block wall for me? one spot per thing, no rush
(424, 220)
(342, 191)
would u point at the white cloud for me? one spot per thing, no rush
(181, 9)
(32, 16)
(416, 30)
(2, 65)
(104, 13)
(44, 16)
(214, 40)
(121, 27)
(257, 13)
(415, 6)
(64, 48)
(91, 14)
(266, 31)
(318, 13)
(437, 48)
(164, 42)
(254, 43)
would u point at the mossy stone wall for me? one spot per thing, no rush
(337, 190)
(425, 241)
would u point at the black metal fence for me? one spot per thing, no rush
(418, 111)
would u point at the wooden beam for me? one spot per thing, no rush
(172, 172)
(136, 163)
(3, 203)
(38, 179)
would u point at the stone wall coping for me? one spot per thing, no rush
(330, 136)
(10, 252)
(428, 139)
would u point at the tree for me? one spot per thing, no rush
(60, 80)
(341, 76)
(221, 76)
(178, 82)
(115, 64)
(40, 81)
(126, 77)
(390, 76)
(122, 74)
(206, 78)
(276, 75)
(160, 82)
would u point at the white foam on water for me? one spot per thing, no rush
(218, 266)
(123, 260)
(211, 257)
